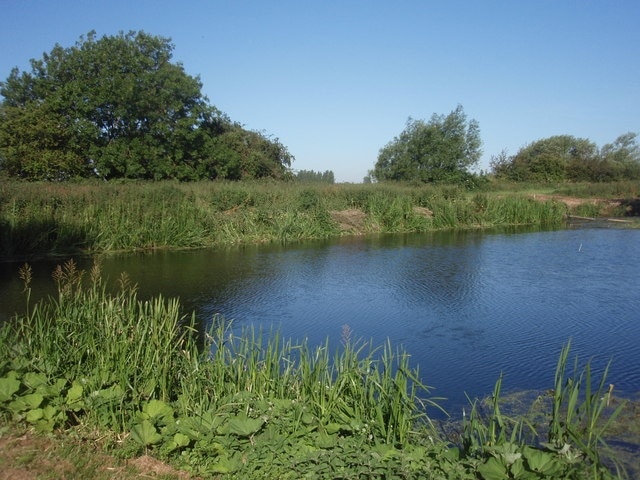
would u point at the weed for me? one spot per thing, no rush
(251, 405)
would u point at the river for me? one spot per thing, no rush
(467, 306)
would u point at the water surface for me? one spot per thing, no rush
(467, 306)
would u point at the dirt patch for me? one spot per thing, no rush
(350, 221)
(425, 212)
(28, 456)
(149, 465)
(572, 202)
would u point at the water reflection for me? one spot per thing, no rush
(467, 306)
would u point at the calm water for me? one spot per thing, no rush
(467, 305)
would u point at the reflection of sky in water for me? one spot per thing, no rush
(466, 306)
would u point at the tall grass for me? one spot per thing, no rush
(579, 406)
(624, 189)
(103, 340)
(255, 405)
(50, 218)
(125, 351)
(578, 420)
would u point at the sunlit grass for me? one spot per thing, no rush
(45, 218)
(252, 404)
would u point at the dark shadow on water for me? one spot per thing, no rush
(40, 238)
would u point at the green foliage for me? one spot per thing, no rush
(439, 151)
(61, 218)
(578, 420)
(578, 409)
(567, 158)
(117, 107)
(315, 177)
(245, 407)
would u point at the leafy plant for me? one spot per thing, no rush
(248, 407)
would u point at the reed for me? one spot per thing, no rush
(579, 407)
(254, 405)
(125, 352)
(47, 218)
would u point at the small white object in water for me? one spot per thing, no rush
(580, 248)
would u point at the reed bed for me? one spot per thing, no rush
(249, 404)
(51, 218)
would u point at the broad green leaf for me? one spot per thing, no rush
(493, 469)
(224, 465)
(34, 380)
(332, 428)
(452, 453)
(386, 451)
(545, 463)
(8, 386)
(324, 440)
(181, 440)
(105, 396)
(50, 412)
(308, 418)
(517, 468)
(74, 394)
(33, 416)
(26, 402)
(54, 390)
(158, 410)
(242, 426)
(145, 433)
(194, 427)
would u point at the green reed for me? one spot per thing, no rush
(104, 340)
(44, 218)
(353, 390)
(581, 411)
(256, 404)
(578, 420)
(125, 351)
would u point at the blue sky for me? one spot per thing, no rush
(336, 80)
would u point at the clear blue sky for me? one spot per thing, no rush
(336, 80)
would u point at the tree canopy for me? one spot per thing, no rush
(568, 158)
(311, 176)
(117, 107)
(441, 150)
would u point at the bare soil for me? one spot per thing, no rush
(29, 456)
(572, 202)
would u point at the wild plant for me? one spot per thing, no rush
(484, 431)
(122, 350)
(578, 418)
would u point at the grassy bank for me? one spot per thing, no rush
(259, 406)
(61, 218)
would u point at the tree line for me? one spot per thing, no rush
(567, 158)
(311, 176)
(444, 150)
(118, 107)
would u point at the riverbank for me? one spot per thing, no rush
(140, 375)
(66, 218)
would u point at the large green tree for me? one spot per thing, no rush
(117, 106)
(441, 150)
(565, 157)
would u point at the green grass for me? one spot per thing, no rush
(255, 405)
(57, 218)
